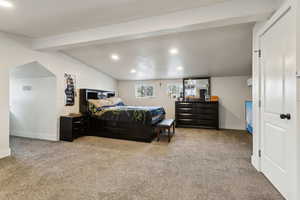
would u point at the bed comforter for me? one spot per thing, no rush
(147, 115)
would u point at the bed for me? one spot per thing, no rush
(113, 119)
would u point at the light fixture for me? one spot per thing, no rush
(115, 57)
(6, 4)
(173, 51)
(179, 68)
(133, 71)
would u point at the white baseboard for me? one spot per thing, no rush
(5, 153)
(232, 129)
(33, 135)
(255, 162)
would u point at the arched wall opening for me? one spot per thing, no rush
(32, 102)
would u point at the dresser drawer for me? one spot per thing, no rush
(206, 111)
(197, 111)
(197, 114)
(184, 110)
(196, 122)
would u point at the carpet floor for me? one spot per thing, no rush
(196, 165)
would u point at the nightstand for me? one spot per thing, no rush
(72, 127)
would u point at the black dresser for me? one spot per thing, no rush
(72, 127)
(196, 114)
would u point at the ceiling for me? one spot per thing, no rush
(43, 18)
(223, 51)
(30, 70)
(91, 30)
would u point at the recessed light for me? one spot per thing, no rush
(173, 51)
(179, 68)
(115, 57)
(6, 4)
(133, 71)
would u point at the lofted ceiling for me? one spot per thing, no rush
(43, 18)
(223, 51)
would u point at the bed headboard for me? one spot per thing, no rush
(86, 94)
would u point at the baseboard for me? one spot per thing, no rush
(5, 153)
(255, 162)
(32, 135)
(230, 129)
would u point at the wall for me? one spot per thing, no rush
(126, 90)
(233, 91)
(16, 51)
(297, 4)
(297, 22)
(32, 112)
(4, 114)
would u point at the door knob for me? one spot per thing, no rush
(285, 116)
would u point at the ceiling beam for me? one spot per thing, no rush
(222, 14)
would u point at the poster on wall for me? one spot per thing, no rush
(175, 90)
(70, 90)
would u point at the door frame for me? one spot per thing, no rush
(285, 8)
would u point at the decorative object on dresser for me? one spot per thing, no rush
(197, 114)
(72, 127)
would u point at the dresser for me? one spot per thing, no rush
(72, 127)
(196, 114)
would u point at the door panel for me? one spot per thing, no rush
(274, 82)
(275, 145)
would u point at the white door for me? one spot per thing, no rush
(278, 100)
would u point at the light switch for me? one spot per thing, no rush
(27, 88)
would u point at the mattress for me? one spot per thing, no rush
(139, 114)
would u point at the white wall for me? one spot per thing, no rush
(4, 114)
(297, 2)
(16, 51)
(33, 112)
(297, 5)
(233, 92)
(126, 90)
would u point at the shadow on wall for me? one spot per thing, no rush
(33, 102)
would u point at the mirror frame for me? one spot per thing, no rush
(197, 78)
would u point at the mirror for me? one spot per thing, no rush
(196, 88)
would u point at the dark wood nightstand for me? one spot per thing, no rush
(72, 127)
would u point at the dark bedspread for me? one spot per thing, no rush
(140, 114)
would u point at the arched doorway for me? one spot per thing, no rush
(32, 102)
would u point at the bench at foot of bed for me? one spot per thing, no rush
(164, 125)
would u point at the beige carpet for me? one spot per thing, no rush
(196, 165)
